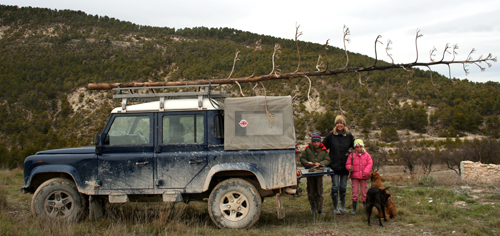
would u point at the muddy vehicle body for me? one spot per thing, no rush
(175, 147)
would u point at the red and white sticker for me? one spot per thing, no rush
(243, 123)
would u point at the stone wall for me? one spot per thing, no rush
(475, 172)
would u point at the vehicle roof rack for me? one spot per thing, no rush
(158, 93)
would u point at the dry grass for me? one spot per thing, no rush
(442, 209)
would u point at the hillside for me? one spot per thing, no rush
(48, 56)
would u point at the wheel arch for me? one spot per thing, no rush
(235, 170)
(43, 173)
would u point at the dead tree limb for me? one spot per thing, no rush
(274, 75)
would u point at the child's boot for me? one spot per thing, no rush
(354, 205)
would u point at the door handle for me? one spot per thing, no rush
(142, 163)
(195, 162)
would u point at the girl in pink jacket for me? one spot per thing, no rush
(359, 164)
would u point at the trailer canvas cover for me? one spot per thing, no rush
(247, 125)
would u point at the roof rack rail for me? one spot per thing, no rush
(137, 94)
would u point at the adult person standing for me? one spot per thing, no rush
(339, 141)
(315, 155)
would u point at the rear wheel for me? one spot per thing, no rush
(58, 198)
(234, 203)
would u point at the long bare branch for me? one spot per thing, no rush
(273, 76)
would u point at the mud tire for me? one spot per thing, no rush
(235, 204)
(58, 198)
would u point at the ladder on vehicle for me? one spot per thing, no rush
(157, 93)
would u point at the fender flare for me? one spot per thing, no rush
(67, 169)
(238, 166)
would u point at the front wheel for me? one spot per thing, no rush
(58, 198)
(234, 203)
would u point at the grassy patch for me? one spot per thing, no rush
(421, 210)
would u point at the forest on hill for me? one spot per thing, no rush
(47, 56)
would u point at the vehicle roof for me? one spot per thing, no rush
(172, 104)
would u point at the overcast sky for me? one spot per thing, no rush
(470, 24)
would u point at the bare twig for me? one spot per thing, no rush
(309, 90)
(319, 63)
(389, 42)
(446, 51)
(256, 47)
(432, 82)
(277, 50)
(377, 41)
(270, 115)
(359, 78)
(234, 63)
(347, 32)
(297, 35)
(339, 92)
(455, 47)
(432, 53)
(416, 48)
(326, 57)
(241, 91)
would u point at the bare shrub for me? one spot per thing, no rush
(427, 160)
(452, 158)
(486, 150)
(407, 155)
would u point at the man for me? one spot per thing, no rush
(339, 141)
(315, 155)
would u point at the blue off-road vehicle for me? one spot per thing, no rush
(174, 147)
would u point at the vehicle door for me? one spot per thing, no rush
(182, 148)
(127, 149)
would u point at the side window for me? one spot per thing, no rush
(178, 129)
(129, 130)
(219, 126)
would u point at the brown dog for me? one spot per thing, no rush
(390, 207)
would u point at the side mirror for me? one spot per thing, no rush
(97, 142)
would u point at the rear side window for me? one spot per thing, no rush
(180, 129)
(219, 126)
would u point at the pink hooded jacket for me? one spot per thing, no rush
(362, 164)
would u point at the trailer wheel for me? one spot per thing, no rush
(58, 198)
(234, 203)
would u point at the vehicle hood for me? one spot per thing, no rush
(78, 150)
